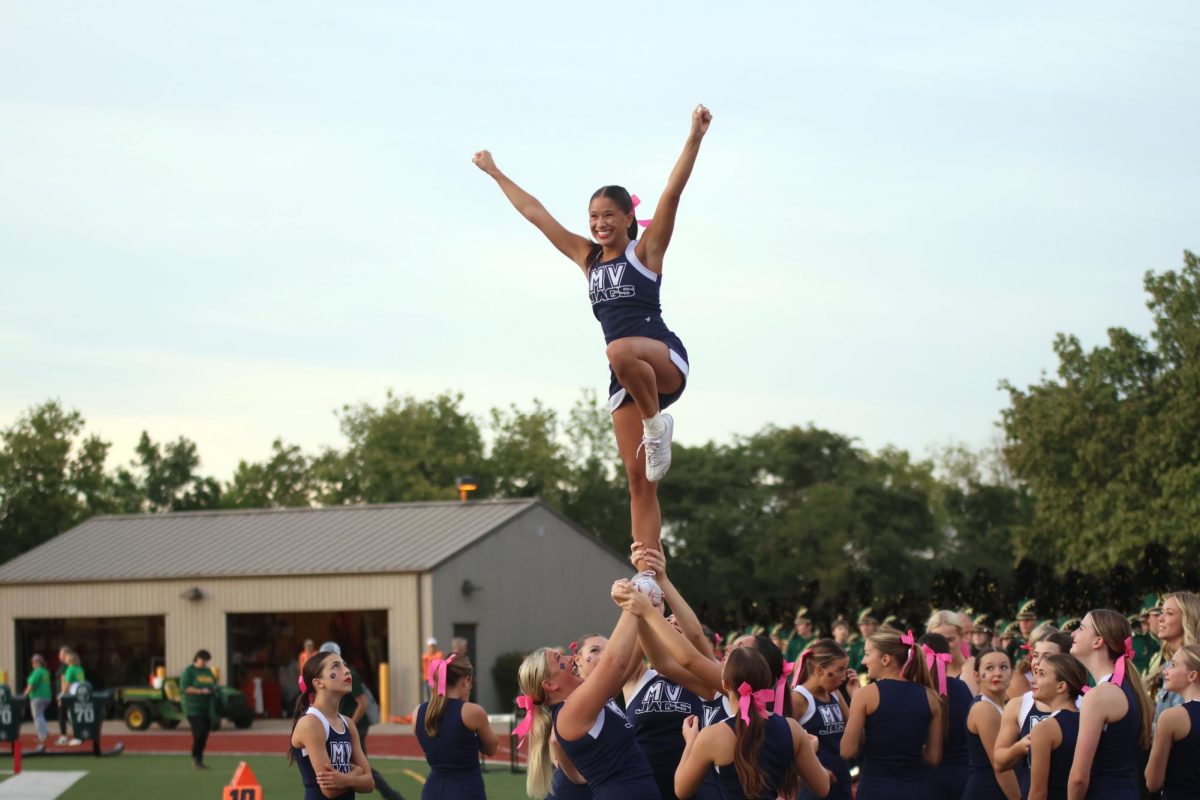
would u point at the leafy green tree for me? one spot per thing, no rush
(165, 478)
(287, 479)
(404, 450)
(51, 477)
(527, 458)
(1110, 447)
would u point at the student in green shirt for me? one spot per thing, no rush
(69, 678)
(37, 689)
(197, 682)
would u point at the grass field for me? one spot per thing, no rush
(144, 777)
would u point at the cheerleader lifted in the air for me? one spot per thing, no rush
(648, 364)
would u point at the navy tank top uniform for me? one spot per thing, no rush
(1117, 755)
(712, 712)
(658, 708)
(1030, 715)
(775, 755)
(1182, 781)
(948, 780)
(625, 299)
(892, 767)
(453, 755)
(563, 788)
(338, 747)
(824, 720)
(609, 757)
(1062, 756)
(981, 776)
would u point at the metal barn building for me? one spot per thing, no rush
(250, 586)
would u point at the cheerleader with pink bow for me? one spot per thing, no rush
(756, 754)
(896, 722)
(947, 780)
(453, 732)
(820, 671)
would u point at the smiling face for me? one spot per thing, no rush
(563, 674)
(1045, 684)
(1170, 622)
(1041, 650)
(994, 673)
(608, 223)
(1084, 638)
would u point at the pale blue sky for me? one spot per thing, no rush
(224, 220)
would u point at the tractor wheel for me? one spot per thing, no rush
(137, 717)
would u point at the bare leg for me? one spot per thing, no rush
(644, 368)
(644, 513)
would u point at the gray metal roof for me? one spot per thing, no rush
(407, 537)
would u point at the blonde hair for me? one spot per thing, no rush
(1190, 654)
(944, 617)
(1189, 607)
(533, 673)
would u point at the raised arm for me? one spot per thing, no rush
(571, 245)
(689, 623)
(680, 650)
(652, 246)
(603, 683)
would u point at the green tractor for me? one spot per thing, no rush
(142, 705)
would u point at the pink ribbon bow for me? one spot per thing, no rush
(798, 668)
(759, 699)
(303, 686)
(645, 223)
(437, 673)
(522, 730)
(574, 646)
(717, 636)
(910, 641)
(943, 660)
(1119, 670)
(781, 684)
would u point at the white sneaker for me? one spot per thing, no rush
(644, 582)
(74, 743)
(658, 451)
(61, 740)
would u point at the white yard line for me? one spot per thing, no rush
(38, 785)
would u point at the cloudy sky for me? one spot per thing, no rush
(225, 220)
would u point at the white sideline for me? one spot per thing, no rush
(38, 785)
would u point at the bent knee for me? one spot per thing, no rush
(620, 351)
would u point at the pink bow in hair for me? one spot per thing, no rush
(1119, 670)
(910, 641)
(788, 668)
(798, 669)
(645, 223)
(522, 730)
(303, 686)
(437, 673)
(759, 699)
(943, 660)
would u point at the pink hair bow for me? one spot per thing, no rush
(942, 660)
(788, 668)
(645, 223)
(574, 647)
(798, 669)
(911, 642)
(527, 703)
(717, 636)
(437, 673)
(303, 686)
(759, 699)
(1119, 670)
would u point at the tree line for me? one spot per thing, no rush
(1093, 494)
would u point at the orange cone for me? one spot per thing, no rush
(244, 785)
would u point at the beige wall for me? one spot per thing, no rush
(191, 625)
(543, 583)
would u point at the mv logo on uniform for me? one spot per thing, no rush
(604, 283)
(339, 756)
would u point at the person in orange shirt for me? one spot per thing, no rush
(310, 649)
(431, 653)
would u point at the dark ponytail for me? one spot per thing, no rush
(311, 671)
(745, 665)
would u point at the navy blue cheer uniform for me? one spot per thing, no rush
(453, 756)
(775, 755)
(947, 780)
(1029, 716)
(981, 777)
(1182, 781)
(625, 299)
(563, 788)
(609, 757)
(1117, 755)
(658, 708)
(1062, 756)
(893, 767)
(338, 747)
(825, 721)
(712, 712)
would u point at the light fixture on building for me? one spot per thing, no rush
(192, 594)
(466, 484)
(469, 588)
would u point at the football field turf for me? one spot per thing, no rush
(149, 777)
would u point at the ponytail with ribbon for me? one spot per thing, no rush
(529, 705)
(789, 668)
(747, 697)
(1118, 676)
(909, 641)
(942, 660)
(437, 673)
(645, 223)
